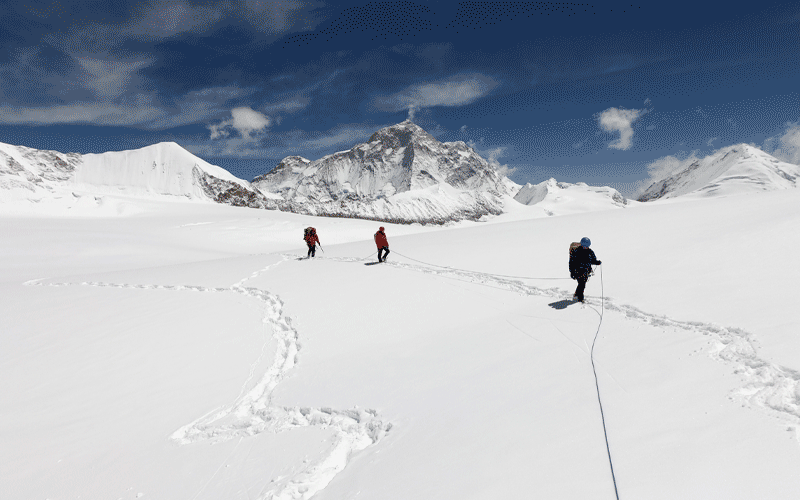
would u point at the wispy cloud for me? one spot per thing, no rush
(345, 136)
(492, 156)
(457, 90)
(157, 20)
(786, 147)
(618, 120)
(88, 72)
(668, 165)
(312, 145)
(109, 79)
(97, 113)
(289, 105)
(140, 110)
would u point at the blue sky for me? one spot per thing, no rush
(591, 92)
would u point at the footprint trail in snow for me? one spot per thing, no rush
(770, 387)
(253, 411)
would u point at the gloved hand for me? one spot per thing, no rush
(599, 262)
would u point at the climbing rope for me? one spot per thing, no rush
(468, 271)
(591, 356)
(597, 384)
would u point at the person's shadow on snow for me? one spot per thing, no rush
(562, 304)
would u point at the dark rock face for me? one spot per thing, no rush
(229, 193)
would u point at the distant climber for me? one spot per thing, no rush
(581, 259)
(383, 244)
(310, 235)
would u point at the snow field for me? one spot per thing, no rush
(204, 372)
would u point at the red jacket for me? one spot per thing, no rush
(311, 239)
(380, 239)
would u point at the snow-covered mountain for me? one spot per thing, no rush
(159, 170)
(560, 198)
(731, 170)
(402, 174)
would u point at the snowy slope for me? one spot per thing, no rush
(160, 169)
(561, 198)
(732, 170)
(190, 353)
(163, 170)
(402, 174)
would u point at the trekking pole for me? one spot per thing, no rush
(320, 247)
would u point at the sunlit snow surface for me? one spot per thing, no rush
(186, 350)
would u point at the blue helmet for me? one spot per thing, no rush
(586, 242)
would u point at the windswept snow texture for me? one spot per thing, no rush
(163, 170)
(561, 198)
(402, 174)
(731, 170)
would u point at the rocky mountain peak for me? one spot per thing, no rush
(402, 173)
(400, 135)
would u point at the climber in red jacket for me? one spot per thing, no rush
(310, 235)
(383, 244)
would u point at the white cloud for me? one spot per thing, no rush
(787, 146)
(620, 120)
(244, 120)
(247, 121)
(458, 90)
(710, 142)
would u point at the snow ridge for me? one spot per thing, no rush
(253, 411)
(163, 170)
(731, 170)
(770, 387)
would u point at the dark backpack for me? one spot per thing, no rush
(572, 247)
(573, 271)
(308, 233)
